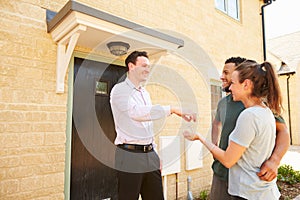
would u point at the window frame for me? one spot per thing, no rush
(216, 95)
(223, 6)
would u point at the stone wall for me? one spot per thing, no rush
(33, 118)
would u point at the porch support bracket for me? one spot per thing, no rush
(65, 48)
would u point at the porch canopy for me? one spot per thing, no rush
(80, 25)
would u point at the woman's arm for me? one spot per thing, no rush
(228, 158)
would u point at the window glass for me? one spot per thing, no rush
(101, 87)
(216, 95)
(233, 8)
(220, 4)
(230, 7)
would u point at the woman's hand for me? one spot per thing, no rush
(190, 136)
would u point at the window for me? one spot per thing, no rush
(102, 88)
(216, 95)
(230, 7)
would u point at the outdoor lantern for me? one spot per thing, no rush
(118, 48)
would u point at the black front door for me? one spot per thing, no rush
(93, 133)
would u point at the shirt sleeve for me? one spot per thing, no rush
(148, 112)
(245, 130)
(122, 100)
(279, 119)
(119, 98)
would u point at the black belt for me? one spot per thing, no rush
(137, 147)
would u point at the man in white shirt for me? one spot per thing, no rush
(137, 163)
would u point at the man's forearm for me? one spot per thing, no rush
(268, 170)
(282, 143)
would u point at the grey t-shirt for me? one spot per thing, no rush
(256, 130)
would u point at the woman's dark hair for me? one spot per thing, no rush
(133, 56)
(265, 83)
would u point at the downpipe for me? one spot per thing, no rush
(266, 3)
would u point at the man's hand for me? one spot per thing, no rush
(189, 117)
(268, 171)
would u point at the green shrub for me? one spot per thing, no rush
(287, 174)
(203, 195)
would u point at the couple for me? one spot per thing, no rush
(136, 161)
(253, 141)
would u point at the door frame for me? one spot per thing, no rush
(68, 146)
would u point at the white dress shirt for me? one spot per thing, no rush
(133, 113)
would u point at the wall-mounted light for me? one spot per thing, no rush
(285, 70)
(118, 48)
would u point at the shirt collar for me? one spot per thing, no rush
(131, 85)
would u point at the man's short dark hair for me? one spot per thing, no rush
(131, 58)
(235, 60)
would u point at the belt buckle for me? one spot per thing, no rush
(150, 147)
(147, 148)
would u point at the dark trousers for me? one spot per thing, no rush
(138, 173)
(219, 190)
